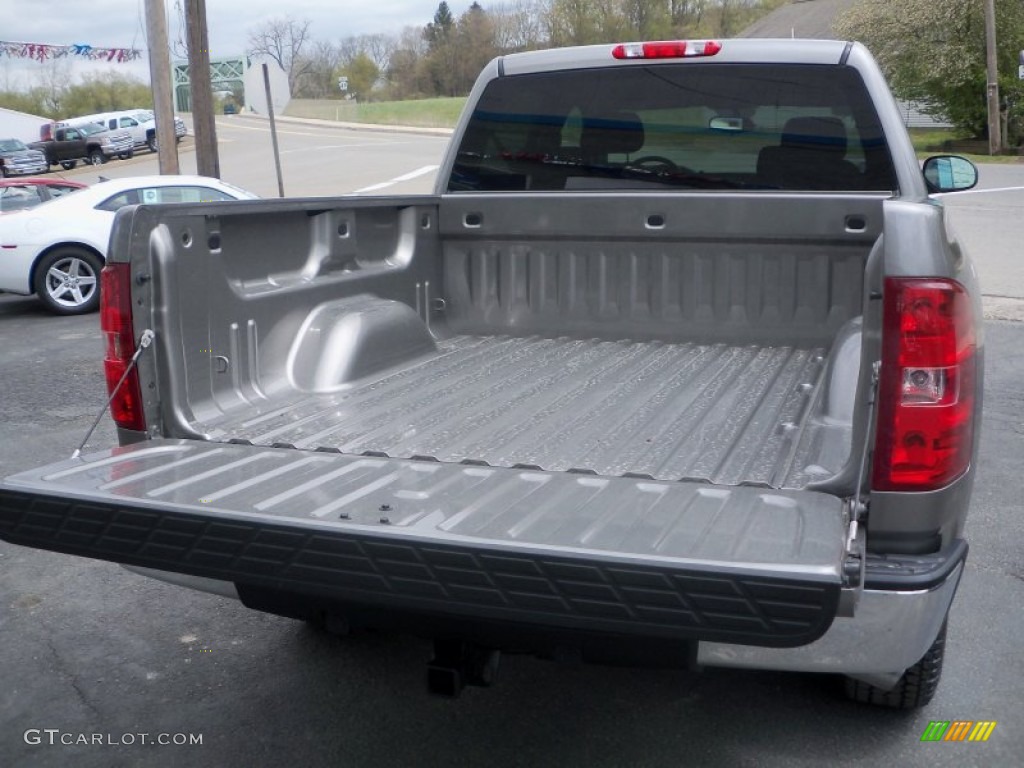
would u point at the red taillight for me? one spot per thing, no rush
(119, 339)
(667, 49)
(925, 427)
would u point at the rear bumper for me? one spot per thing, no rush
(891, 630)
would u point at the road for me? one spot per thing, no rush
(987, 217)
(89, 648)
(316, 159)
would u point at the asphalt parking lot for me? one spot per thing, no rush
(89, 649)
(92, 649)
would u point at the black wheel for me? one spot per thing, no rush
(126, 155)
(916, 687)
(67, 165)
(67, 280)
(3, 171)
(151, 143)
(96, 157)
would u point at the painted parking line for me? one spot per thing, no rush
(980, 191)
(346, 146)
(280, 131)
(324, 130)
(399, 179)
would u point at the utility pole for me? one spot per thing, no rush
(995, 141)
(160, 81)
(203, 123)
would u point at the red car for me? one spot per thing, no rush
(18, 194)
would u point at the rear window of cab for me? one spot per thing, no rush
(706, 126)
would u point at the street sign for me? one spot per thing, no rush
(1020, 67)
(342, 83)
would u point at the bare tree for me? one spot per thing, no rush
(646, 19)
(405, 75)
(52, 79)
(518, 25)
(322, 64)
(686, 14)
(379, 48)
(284, 40)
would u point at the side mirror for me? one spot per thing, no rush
(949, 173)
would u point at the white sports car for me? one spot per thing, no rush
(57, 249)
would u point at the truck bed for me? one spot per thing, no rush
(475, 330)
(717, 413)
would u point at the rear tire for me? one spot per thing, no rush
(916, 687)
(67, 281)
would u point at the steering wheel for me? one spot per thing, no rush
(660, 163)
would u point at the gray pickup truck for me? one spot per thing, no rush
(90, 143)
(679, 365)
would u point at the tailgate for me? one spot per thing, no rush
(576, 551)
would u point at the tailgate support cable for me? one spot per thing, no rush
(144, 341)
(855, 555)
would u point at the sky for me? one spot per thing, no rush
(121, 24)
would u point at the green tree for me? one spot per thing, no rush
(402, 74)
(439, 32)
(475, 38)
(582, 22)
(647, 19)
(933, 51)
(32, 102)
(362, 76)
(441, 64)
(105, 92)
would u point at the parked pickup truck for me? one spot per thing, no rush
(18, 160)
(90, 143)
(139, 123)
(679, 365)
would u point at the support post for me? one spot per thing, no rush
(995, 141)
(160, 81)
(273, 131)
(203, 120)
